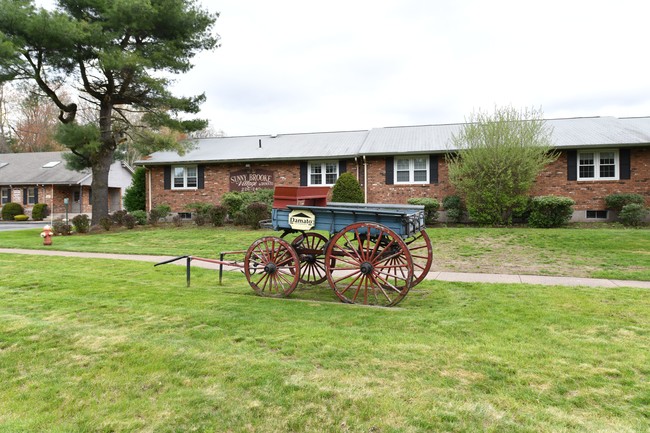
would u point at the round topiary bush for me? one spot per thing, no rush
(10, 210)
(347, 189)
(81, 223)
(40, 212)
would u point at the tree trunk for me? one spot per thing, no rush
(102, 161)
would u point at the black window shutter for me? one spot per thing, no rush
(167, 177)
(303, 173)
(433, 168)
(201, 173)
(572, 165)
(389, 169)
(343, 166)
(25, 195)
(36, 195)
(624, 160)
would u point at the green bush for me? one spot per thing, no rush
(233, 202)
(618, 201)
(550, 211)
(254, 213)
(218, 215)
(135, 195)
(200, 212)
(40, 212)
(347, 189)
(140, 217)
(453, 205)
(106, 222)
(431, 206)
(21, 217)
(236, 203)
(632, 214)
(81, 223)
(130, 221)
(157, 213)
(10, 210)
(118, 217)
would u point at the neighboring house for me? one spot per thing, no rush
(598, 156)
(42, 177)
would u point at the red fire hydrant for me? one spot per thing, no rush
(46, 234)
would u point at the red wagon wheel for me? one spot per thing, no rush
(421, 250)
(361, 265)
(272, 267)
(310, 247)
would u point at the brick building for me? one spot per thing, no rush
(42, 177)
(598, 156)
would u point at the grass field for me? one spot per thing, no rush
(116, 346)
(601, 253)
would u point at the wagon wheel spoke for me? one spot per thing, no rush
(272, 267)
(373, 265)
(310, 247)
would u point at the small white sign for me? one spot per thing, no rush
(300, 219)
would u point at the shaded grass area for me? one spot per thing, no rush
(600, 253)
(127, 347)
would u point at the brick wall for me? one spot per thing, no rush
(588, 195)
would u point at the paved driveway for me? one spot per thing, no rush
(9, 225)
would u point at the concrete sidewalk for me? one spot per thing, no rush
(437, 276)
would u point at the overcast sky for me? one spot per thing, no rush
(304, 66)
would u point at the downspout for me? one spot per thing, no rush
(52, 208)
(149, 189)
(365, 180)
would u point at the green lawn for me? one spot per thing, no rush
(602, 253)
(117, 346)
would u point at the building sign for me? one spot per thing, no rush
(251, 180)
(17, 195)
(300, 219)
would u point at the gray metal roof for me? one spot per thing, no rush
(566, 133)
(27, 169)
(267, 147)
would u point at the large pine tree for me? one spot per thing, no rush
(118, 54)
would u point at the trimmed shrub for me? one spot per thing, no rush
(453, 204)
(618, 201)
(21, 217)
(130, 221)
(157, 213)
(106, 223)
(233, 202)
(347, 189)
(218, 215)
(61, 228)
(237, 202)
(81, 223)
(140, 217)
(431, 206)
(177, 220)
(10, 210)
(550, 211)
(632, 214)
(200, 212)
(254, 213)
(118, 217)
(40, 211)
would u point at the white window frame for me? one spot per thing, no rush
(596, 153)
(31, 195)
(4, 199)
(323, 172)
(411, 162)
(186, 178)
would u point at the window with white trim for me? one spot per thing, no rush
(31, 195)
(413, 169)
(184, 177)
(598, 165)
(5, 195)
(323, 173)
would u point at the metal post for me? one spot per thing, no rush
(66, 202)
(188, 270)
